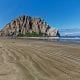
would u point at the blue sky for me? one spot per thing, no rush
(61, 14)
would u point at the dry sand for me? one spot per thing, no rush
(38, 60)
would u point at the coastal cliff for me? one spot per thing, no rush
(27, 26)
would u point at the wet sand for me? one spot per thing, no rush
(38, 60)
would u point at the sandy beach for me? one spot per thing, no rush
(38, 60)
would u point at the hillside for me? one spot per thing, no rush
(28, 26)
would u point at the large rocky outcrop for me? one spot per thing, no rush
(24, 24)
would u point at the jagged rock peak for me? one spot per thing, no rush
(27, 24)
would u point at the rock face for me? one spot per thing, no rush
(24, 24)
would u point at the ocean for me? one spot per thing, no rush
(75, 39)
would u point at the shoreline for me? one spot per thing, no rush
(47, 39)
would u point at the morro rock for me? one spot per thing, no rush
(27, 24)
